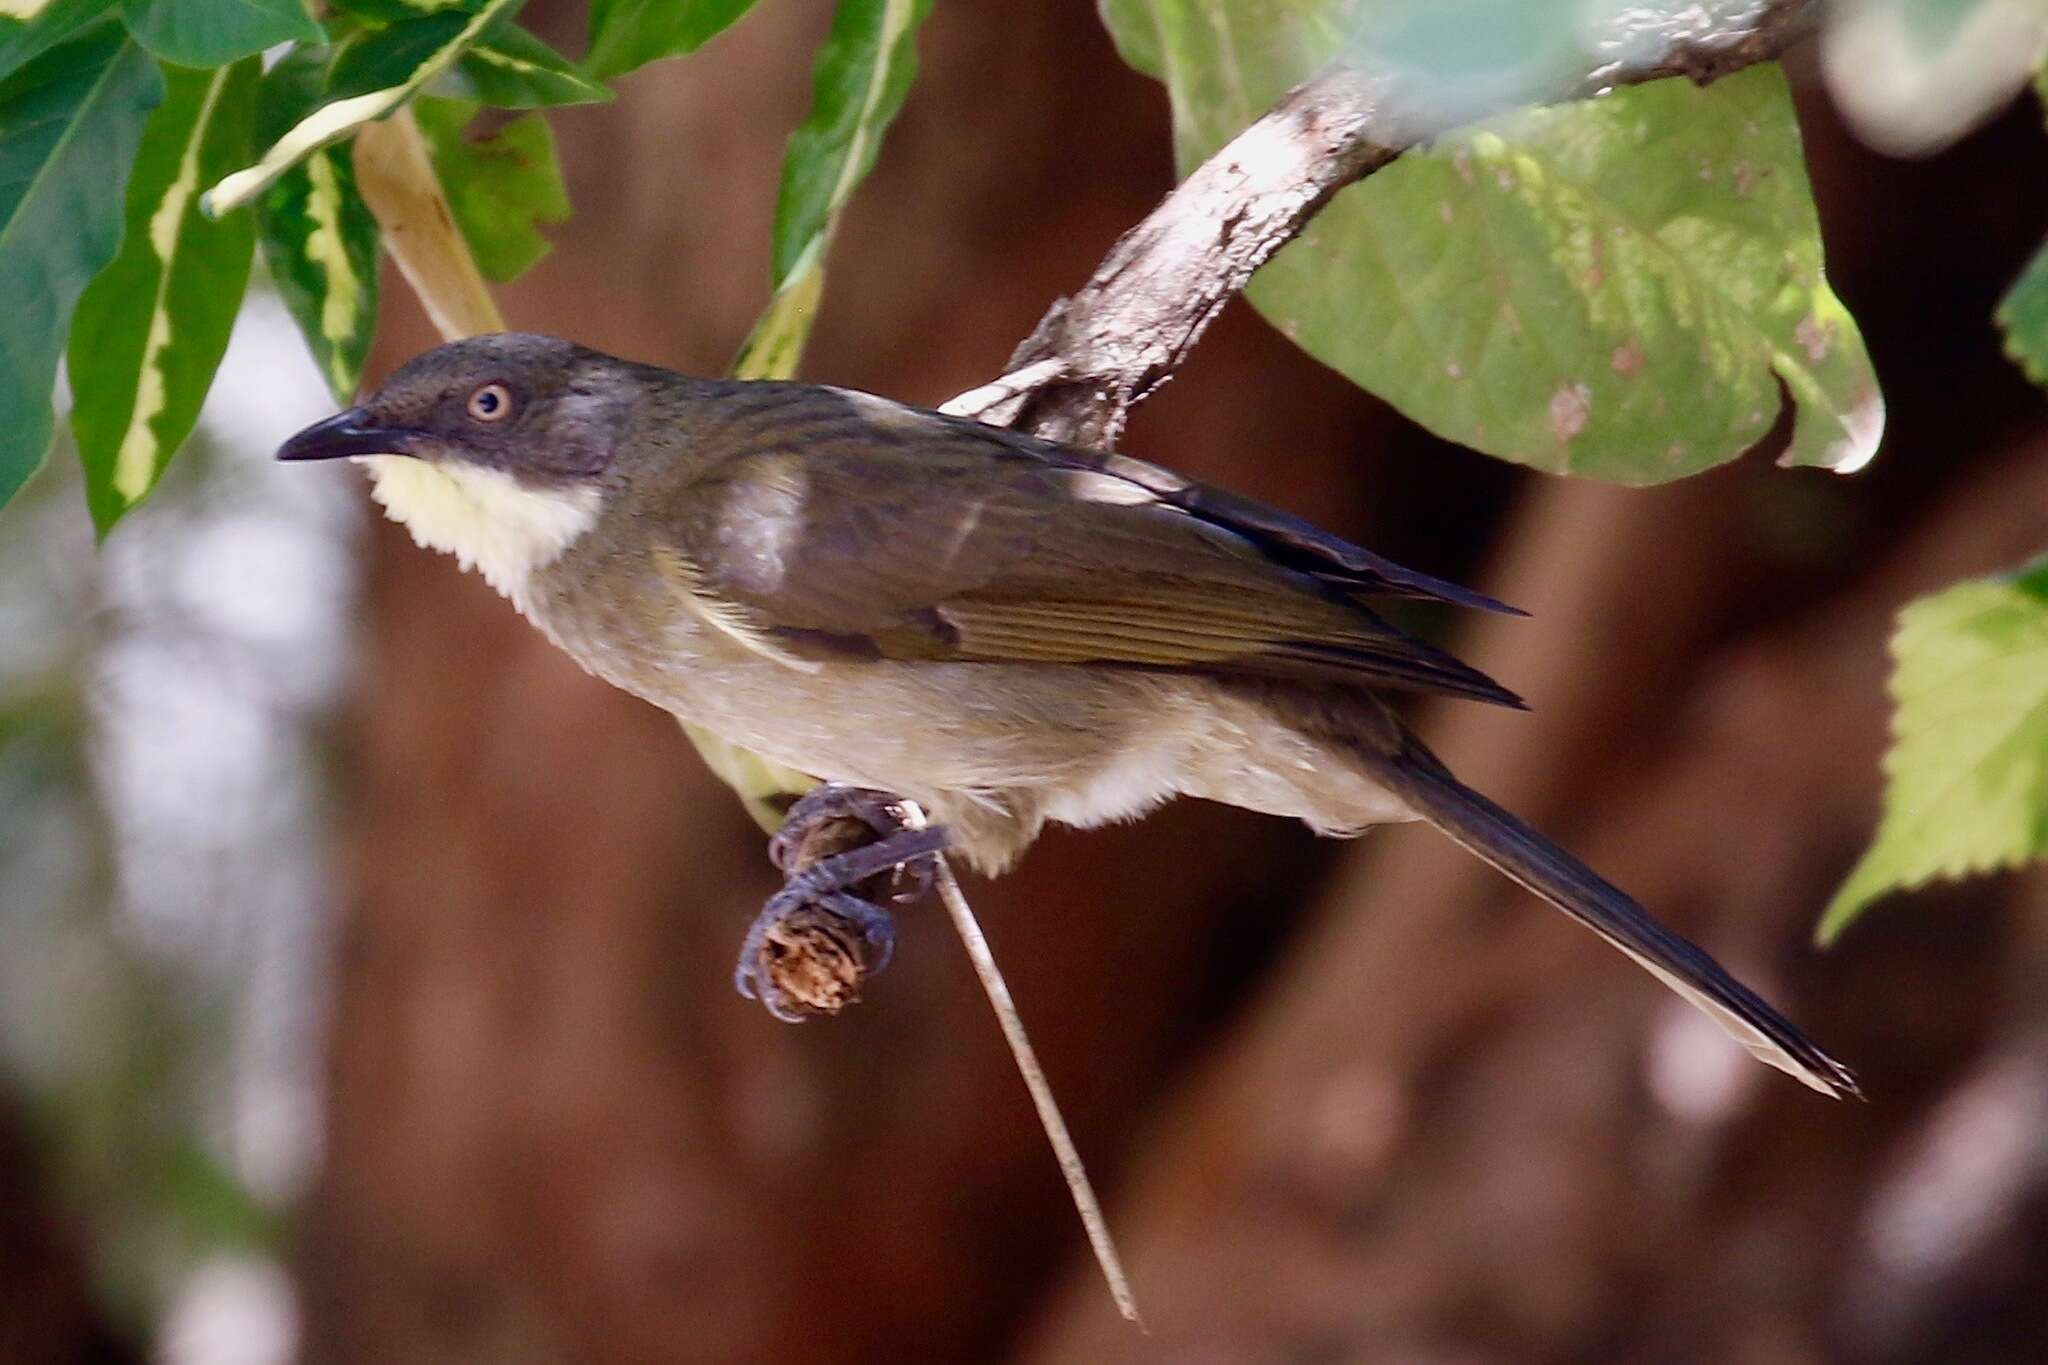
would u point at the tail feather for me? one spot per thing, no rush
(1515, 849)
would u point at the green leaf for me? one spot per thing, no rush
(340, 117)
(212, 32)
(1966, 787)
(391, 11)
(31, 28)
(863, 73)
(69, 124)
(627, 34)
(320, 239)
(1135, 30)
(1615, 287)
(2023, 313)
(151, 328)
(498, 187)
(509, 68)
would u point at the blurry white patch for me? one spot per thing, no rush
(487, 519)
(232, 1311)
(1695, 1069)
(1966, 1174)
(1908, 92)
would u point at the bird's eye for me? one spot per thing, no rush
(490, 403)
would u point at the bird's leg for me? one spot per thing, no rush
(809, 825)
(822, 935)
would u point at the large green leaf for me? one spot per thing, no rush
(509, 68)
(1615, 287)
(628, 34)
(863, 73)
(386, 76)
(211, 32)
(498, 187)
(30, 28)
(320, 239)
(69, 124)
(1967, 777)
(151, 328)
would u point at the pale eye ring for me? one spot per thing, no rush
(491, 403)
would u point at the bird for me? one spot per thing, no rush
(1006, 631)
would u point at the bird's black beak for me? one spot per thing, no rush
(353, 432)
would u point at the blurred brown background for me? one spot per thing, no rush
(1347, 1103)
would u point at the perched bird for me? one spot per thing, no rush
(1003, 630)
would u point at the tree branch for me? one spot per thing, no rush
(1099, 353)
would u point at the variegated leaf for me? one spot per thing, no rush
(151, 328)
(864, 70)
(70, 121)
(320, 240)
(31, 27)
(509, 68)
(338, 118)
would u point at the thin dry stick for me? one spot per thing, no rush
(1085, 1203)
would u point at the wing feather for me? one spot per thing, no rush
(912, 536)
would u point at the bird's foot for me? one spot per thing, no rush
(833, 819)
(818, 939)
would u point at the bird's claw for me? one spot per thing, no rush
(767, 945)
(819, 938)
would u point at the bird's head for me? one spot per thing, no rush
(543, 411)
(494, 449)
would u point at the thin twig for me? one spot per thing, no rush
(1090, 1209)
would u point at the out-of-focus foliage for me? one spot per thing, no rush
(2024, 316)
(1967, 778)
(1613, 287)
(206, 33)
(22, 38)
(499, 187)
(151, 328)
(2023, 313)
(161, 847)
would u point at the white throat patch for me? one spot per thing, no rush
(484, 517)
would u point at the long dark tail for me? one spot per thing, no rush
(1503, 840)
